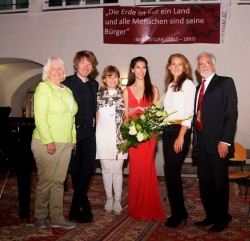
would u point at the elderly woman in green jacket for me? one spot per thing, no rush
(53, 140)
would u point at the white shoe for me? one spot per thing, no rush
(41, 223)
(109, 205)
(63, 224)
(117, 208)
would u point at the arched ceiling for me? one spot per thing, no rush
(11, 67)
(17, 76)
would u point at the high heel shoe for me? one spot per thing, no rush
(174, 222)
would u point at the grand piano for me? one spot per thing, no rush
(16, 156)
(16, 135)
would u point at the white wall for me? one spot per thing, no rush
(37, 35)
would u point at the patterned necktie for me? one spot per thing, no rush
(198, 116)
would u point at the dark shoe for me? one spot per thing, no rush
(218, 228)
(204, 222)
(87, 218)
(229, 219)
(74, 215)
(80, 217)
(25, 220)
(174, 222)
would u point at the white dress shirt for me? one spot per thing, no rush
(181, 101)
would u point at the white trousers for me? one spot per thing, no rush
(112, 177)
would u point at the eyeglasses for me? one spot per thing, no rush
(56, 69)
(205, 64)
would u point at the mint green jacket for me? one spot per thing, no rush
(54, 113)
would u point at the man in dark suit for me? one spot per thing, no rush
(214, 128)
(82, 162)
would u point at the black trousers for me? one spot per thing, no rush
(214, 183)
(82, 165)
(172, 168)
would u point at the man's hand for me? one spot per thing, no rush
(222, 149)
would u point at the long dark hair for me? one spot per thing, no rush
(186, 74)
(148, 91)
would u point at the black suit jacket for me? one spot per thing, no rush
(219, 113)
(71, 82)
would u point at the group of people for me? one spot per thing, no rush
(78, 121)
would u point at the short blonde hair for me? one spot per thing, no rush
(47, 66)
(108, 71)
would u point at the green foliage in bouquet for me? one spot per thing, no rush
(144, 126)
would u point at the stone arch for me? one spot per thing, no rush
(17, 77)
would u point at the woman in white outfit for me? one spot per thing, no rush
(110, 115)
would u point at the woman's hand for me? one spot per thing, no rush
(51, 148)
(178, 144)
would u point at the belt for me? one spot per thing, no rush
(84, 126)
(176, 123)
(172, 127)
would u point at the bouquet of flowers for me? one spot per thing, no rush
(144, 126)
